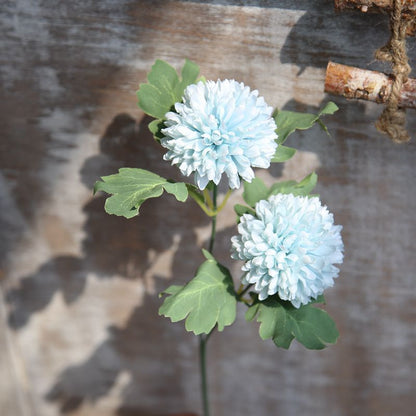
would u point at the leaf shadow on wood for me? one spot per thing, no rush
(113, 246)
(127, 351)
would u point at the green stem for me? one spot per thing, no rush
(214, 220)
(203, 364)
(242, 291)
(204, 338)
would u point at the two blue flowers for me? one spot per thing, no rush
(291, 245)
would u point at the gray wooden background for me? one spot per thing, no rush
(79, 329)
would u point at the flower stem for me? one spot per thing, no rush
(204, 338)
(203, 364)
(214, 220)
(242, 291)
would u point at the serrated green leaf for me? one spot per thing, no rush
(207, 300)
(171, 290)
(275, 323)
(283, 153)
(164, 89)
(165, 78)
(131, 187)
(302, 188)
(189, 74)
(153, 102)
(289, 121)
(282, 322)
(254, 191)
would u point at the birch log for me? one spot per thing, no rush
(357, 83)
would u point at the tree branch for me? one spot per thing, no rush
(357, 83)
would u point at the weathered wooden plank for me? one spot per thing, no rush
(81, 286)
(14, 395)
(383, 6)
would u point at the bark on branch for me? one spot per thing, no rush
(363, 84)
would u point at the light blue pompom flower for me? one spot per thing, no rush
(221, 127)
(289, 248)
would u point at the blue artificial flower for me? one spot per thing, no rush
(221, 127)
(289, 248)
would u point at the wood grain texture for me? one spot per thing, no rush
(381, 6)
(80, 287)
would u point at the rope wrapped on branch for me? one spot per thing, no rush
(393, 118)
(364, 84)
(402, 22)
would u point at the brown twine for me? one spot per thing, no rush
(393, 118)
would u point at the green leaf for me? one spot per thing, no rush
(282, 322)
(131, 187)
(255, 191)
(195, 193)
(319, 299)
(252, 311)
(189, 75)
(289, 121)
(171, 290)
(242, 209)
(283, 153)
(164, 88)
(156, 127)
(153, 102)
(302, 188)
(330, 108)
(313, 327)
(208, 255)
(207, 300)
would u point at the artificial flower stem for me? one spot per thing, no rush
(223, 203)
(208, 199)
(214, 219)
(242, 291)
(204, 338)
(196, 197)
(203, 364)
